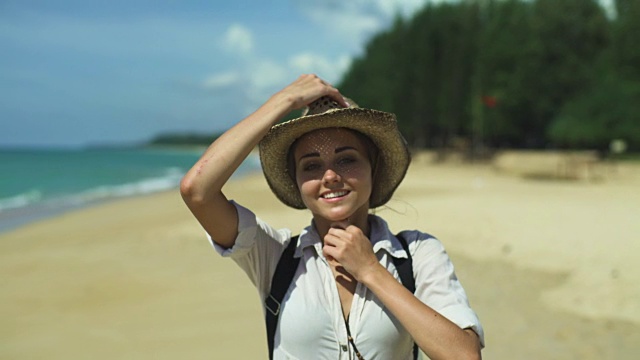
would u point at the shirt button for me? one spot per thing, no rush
(344, 347)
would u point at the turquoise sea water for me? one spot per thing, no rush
(35, 184)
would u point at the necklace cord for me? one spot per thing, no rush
(350, 338)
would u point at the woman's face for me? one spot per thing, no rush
(333, 173)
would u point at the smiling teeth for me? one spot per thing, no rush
(335, 194)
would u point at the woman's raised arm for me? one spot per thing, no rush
(201, 187)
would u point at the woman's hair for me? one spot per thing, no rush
(370, 146)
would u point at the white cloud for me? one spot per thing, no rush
(250, 83)
(355, 20)
(266, 73)
(256, 79)
(263, 77)
(238, 39)
(329, 70)
(221, 81)
(405, 7)
(349, 25)
(609, 7)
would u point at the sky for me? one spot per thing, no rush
(119, 72)
(79, 72)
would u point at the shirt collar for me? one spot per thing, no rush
(308, 237)
(381, 238)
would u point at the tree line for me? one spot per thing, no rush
(489, 74)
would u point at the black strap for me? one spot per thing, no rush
(280, 282)
(404, 266)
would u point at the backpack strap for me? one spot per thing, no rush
(285, 270)
(404, 266)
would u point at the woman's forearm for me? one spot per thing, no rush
(438, 337)
(201, 187)
(224, 156)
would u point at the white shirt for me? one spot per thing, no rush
(311, 324)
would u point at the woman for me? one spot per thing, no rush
(345, 301)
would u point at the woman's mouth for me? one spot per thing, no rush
(334, 194)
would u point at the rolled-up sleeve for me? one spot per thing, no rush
(257, 248)
(438, 286)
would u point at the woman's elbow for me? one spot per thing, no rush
(473, 355)
(474, 350)
(469, 349)
(189, 190)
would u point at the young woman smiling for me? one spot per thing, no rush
(345, 300)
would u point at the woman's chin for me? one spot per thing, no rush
(341, 212)
(335, 214)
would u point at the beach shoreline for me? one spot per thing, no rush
(72, 183)
(550, 267)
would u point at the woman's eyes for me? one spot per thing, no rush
(316, 166)
(310, 167)
(346, 160)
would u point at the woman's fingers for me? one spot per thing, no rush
(350, 248)
(309, 87)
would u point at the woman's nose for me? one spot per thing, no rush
(330, 176)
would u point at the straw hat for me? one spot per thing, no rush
(381, 127)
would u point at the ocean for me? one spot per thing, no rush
(37, 183)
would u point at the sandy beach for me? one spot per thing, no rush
(552, 268)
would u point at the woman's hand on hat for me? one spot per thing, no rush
(308, 88)
(349, 246)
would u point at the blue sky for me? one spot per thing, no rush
(78, 72)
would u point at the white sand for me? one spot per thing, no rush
(551, 267)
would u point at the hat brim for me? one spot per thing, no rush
(381, 127)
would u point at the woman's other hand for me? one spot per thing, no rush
(350, 247)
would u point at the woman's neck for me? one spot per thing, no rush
(360, 219)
